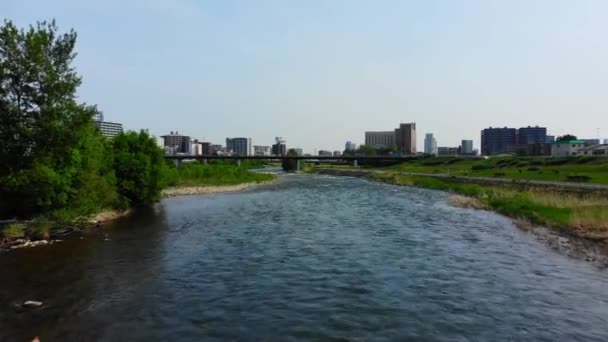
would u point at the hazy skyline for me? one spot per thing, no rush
(319, 73)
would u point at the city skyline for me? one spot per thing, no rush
(260, 69)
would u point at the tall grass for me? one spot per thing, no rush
(580, 215)
(14, 230)
(195, 174)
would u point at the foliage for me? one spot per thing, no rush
(290, 164)
(48, 142)
(139, 167)
(195, 174)
(566, 137)
(582, 215)
(14, 230)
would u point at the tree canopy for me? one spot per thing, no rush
(567, 137)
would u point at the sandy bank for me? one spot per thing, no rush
(205, 190)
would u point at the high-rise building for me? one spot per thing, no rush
(261, 150)
(447, 151)
(350, 146)
(298, 151)
(405, 138)
(239, 146)
(497, 140)
(430, 144)
(605, 141)
(532, 135)
(466, 147)
(176, 143)
(280, 147)
(550, 139)
(109, 129)
(337, 153)
(383, 139)
(324, 153)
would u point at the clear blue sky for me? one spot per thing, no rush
(322, 72)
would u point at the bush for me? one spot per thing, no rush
(557, 161)
(533, 168)
(499, 174)
(14, 230)
(139, 167)
(585, 159)
(42, 228)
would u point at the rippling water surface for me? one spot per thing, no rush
(306, 258)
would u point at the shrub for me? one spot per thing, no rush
(533, 168)
(42, 228)
(14, 230)
(499, 174)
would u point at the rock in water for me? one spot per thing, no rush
(32, 304)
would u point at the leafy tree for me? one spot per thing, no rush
(367, 150)
(567, 137)
(139, 167)
(290, 164)
(45, 135)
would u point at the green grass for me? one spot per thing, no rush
(197, 174)
(591, 169)
(580, 215)
(14, 230)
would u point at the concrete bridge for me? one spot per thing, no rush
(354, 159)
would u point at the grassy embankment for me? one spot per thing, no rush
(197, 174)
(572, 169)
(583, 216)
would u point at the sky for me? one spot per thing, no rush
(320, 73)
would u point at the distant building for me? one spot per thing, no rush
(109, 129)
(337, 153)
(597, 150)
(591, 141)
(430, 144)
(176, 143)
(605, 141)
(532, 135)
(405, 138)
(350, 146)
(379, 139)
(261, 150)
(197, 148)
(497, 140)
(280, 147)
(567, 148)
(447, 151)
(466, 147)
(239, 146)
(550, 139)
(323, 153)
(217, 150)
(298, 151)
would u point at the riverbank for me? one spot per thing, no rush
(581, 215)
(207, 189)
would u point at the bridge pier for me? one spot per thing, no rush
(178, 162)
(298, 166)
(238, 162)
(355, 163)
(205, 161)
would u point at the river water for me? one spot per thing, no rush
(307, 258)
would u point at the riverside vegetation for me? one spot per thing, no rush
(56, 168)
(581, 214)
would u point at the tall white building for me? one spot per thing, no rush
(382, 139)
(466, 147)
(350, 146)
(430, 144)
(261, 150)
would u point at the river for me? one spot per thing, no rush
(309, 257)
